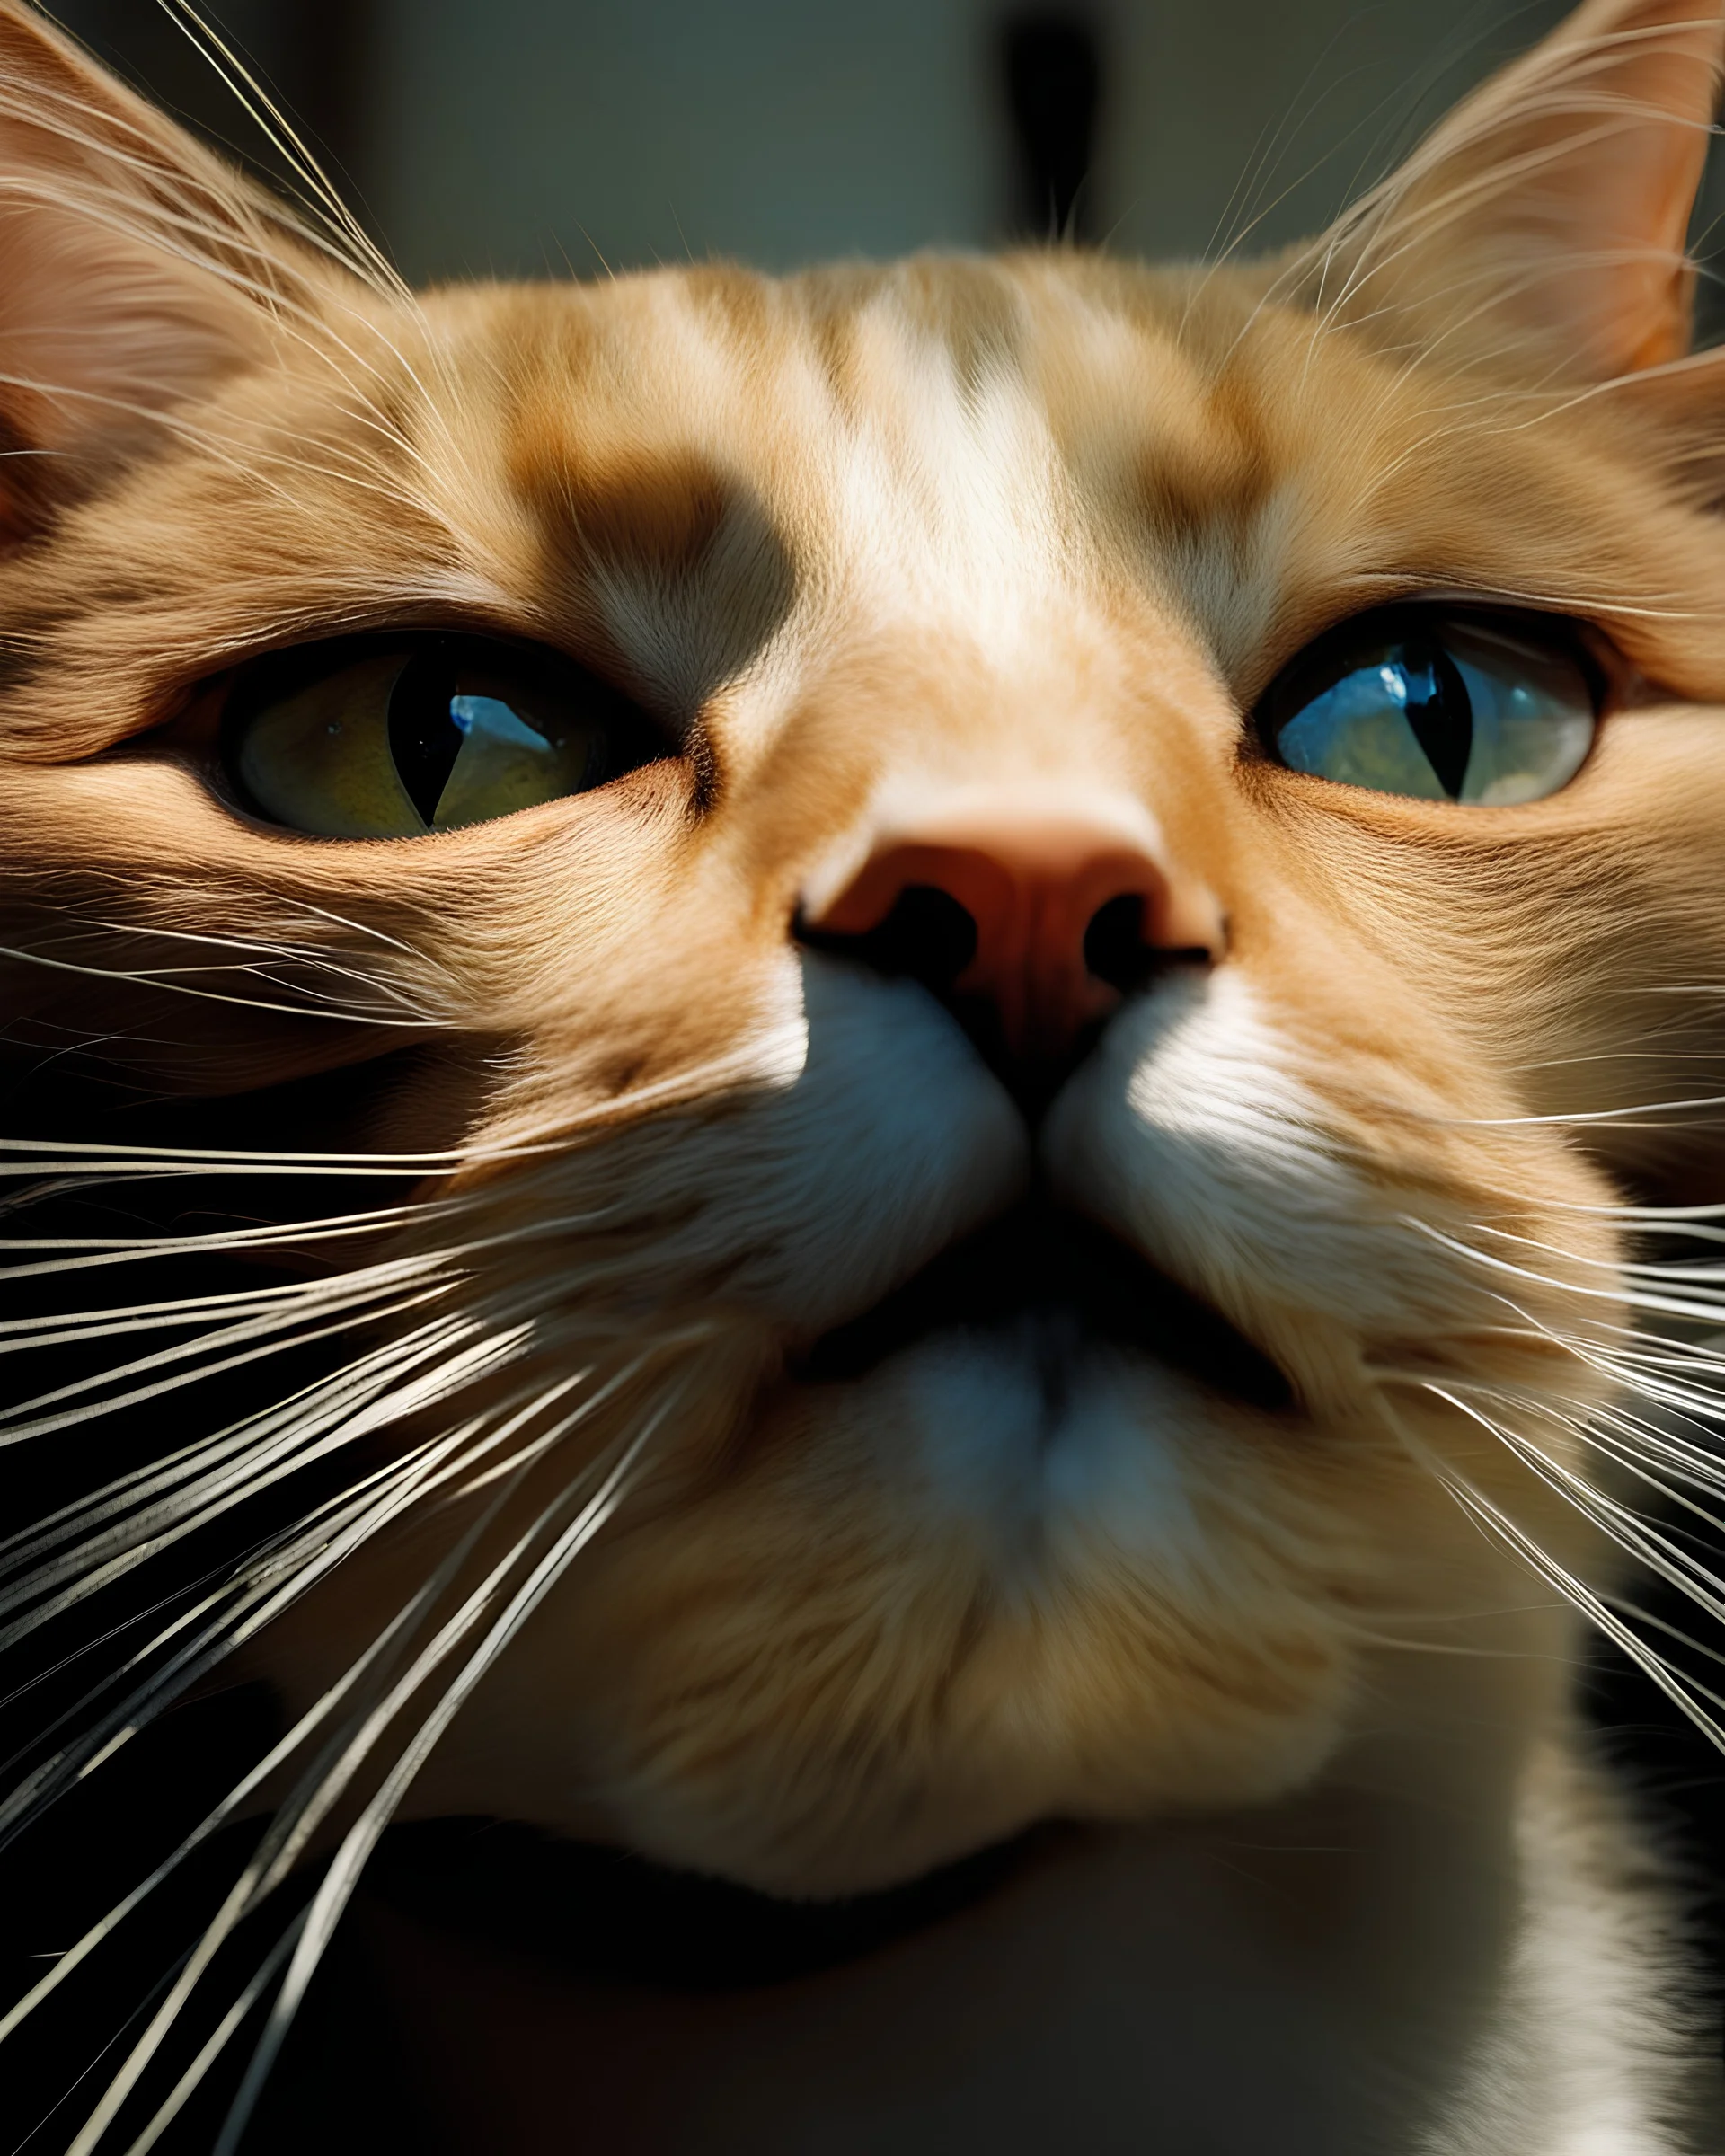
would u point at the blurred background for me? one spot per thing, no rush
(538, 136)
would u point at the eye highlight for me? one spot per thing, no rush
(403, 740)
(1490, 710)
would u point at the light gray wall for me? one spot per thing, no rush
(523, 135)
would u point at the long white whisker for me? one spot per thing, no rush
(321, 1788)
(1683, 1693)
(79, 1388)
(338, 1882)
(217, 2042)
(1655, 1551)
(431, 1377)
(378, 1654)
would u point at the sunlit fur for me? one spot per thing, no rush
(857, 536)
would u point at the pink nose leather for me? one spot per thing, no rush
(1032, 885)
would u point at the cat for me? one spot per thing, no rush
(962, 1017)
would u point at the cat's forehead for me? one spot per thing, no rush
(868, 346)
(956, 444)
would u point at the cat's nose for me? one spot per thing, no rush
(1043, 915)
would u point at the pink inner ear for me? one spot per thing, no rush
(1635, 194)
(132, 263)
(101, 332)
(1658, 303)
(1555, 201)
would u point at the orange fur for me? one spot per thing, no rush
(851, 534)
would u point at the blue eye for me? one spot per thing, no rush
(1481, 709)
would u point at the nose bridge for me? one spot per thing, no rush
(1038, 870)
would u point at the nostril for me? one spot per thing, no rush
(1115, 947)
(926, 934)
(1118, 949)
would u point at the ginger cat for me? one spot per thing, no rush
(1019, 954)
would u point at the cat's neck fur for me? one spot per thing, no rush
(1457, 1945)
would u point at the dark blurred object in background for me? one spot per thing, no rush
(522, 137)
(1053, 81)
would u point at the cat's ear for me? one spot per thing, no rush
(136, 269)
(1549, 209)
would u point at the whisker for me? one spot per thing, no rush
(80, 1389)
(339, 1881)
(1687, 1694)
(276, 1600)
(342, 1013)
(393, 1394)
(1651, 1548)
(320, 1788)
(219, 2037)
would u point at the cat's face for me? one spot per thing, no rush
(1126, 1506)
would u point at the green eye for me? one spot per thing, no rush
(395, 742)
(1484, 709)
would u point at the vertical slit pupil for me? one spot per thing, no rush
(1439, 711)
(423, 737)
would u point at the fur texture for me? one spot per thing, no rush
(863, 540)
